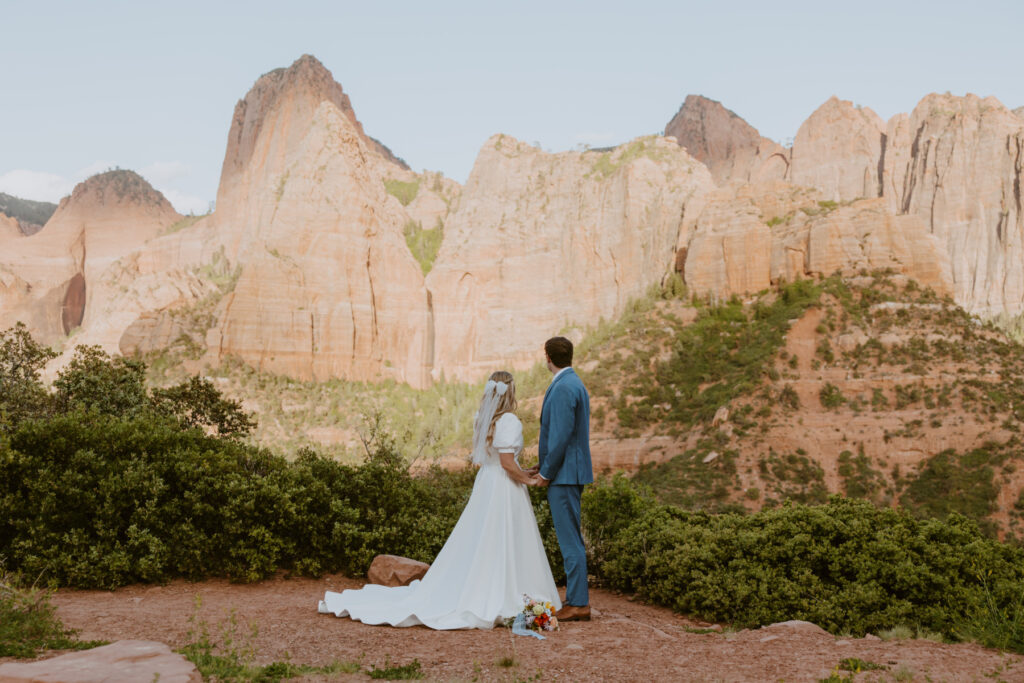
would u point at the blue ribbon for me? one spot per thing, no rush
(520, 629)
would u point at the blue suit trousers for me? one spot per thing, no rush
(564, 500)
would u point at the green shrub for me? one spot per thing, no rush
(847, 566)
(964, 484)
(831, 396)
(97, 501)
(22, 394)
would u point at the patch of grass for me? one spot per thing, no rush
(401, 190)
(231, 656)
(950, 483)
(689, 482)
(794, 476)
(900, 632)
(726, 353)
(999, 621)
(607, 163)
(182, 223)
(29, 622)
(860, 480)
(405, 672)
(424, 244)
(857, 665)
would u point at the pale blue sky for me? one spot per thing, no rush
(151, 87)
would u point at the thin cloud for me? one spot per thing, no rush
(163, 172)
(184, 203)
(35, 185)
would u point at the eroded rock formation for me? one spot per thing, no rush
(53, 280)
(543, 241)
(956, 162)
(840, 150)
(730, 147)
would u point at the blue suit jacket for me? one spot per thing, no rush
(564, 448)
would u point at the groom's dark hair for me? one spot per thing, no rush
(559, 350)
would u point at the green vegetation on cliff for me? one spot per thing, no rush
(25, 210)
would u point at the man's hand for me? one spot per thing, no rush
(533, 471)
(541, 481)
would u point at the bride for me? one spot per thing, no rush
(494, 555)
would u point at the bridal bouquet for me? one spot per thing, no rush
(536, 616)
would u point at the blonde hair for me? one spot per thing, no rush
(506, 402)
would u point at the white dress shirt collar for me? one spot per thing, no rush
(560, 371)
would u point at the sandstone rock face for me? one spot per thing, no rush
(542, 241)
(730, 147)
(840, 150)
(324, 283)
(53, 280)
(730, 252)
(9, 228)
(392, 570)
(126, 661)
(327, 287)
(956, 162)
(864, 236)
(773, 233)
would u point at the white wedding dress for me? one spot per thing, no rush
(493, 557)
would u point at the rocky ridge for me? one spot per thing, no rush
(322, 257)
(43, 277)
(954, 163)
(730, 147)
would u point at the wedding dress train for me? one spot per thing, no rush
(493, 557)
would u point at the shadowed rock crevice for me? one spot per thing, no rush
(73, 308)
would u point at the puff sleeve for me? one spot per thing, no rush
(508, 434)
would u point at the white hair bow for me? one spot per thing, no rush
(497, 387)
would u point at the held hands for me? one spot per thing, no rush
(537, 480)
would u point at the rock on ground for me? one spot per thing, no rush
(126, 661)
(392, 570)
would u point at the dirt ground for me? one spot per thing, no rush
(627, 641)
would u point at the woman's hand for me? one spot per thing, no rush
(515, 472)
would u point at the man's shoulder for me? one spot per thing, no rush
(570, 382)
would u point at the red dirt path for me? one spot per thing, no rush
(627, 641)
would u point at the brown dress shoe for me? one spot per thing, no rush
(573, 613)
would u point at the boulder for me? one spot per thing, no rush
(126, 661)
(392, 570)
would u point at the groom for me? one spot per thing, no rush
(564, 456)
